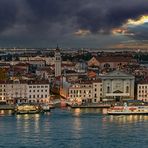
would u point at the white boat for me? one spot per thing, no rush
(45, 107)
(128, 110)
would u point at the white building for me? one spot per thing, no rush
(142, 92)
(17, 91)
(117, 86)
(38, 91)
(57, 63)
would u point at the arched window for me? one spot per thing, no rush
(108, 89)
(127, 89)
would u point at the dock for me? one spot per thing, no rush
(93, 105)
(7, 107)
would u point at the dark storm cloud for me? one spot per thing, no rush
(8, 11)
(111, 15)
(55, 18)
(139, 32)
(95, 15)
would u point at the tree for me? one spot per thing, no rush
(3, 74)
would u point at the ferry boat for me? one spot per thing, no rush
(26, 108)
(128, 110)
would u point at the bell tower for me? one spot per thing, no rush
(57, 62)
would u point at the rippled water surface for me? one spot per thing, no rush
(67, 128)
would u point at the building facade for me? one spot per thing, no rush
(142, 92)
(89, 91)
(17, 91)
(117, 86)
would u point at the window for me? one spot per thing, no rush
(38, 86)
(29, 96)
(45, 96)
(95, 89)
(41, 96)
(30, 86)
(108, 89)
(33, 96)
(33, 90)
(42, 86)
(127, 89)
(34, 86)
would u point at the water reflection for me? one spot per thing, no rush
(27, 123)
(128, 119)
(77, 112)
(80, 111)
(5, 112)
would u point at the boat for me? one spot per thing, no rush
(27, 108)
(45, 107)
(128, 110)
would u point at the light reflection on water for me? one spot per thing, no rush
(5, 112)
(81, 111)
(128, 119)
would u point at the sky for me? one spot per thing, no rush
(74, 23)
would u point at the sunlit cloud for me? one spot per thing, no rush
(81, 32)
(140, 21)
(121, 31)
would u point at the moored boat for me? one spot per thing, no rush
(45, 107)
(128, 110)
(26, 108)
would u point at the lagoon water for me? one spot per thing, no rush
(73, 128)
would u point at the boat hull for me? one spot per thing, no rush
(127, 113)
(35, 112)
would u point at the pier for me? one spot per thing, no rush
(7, 107)
(91, 105)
